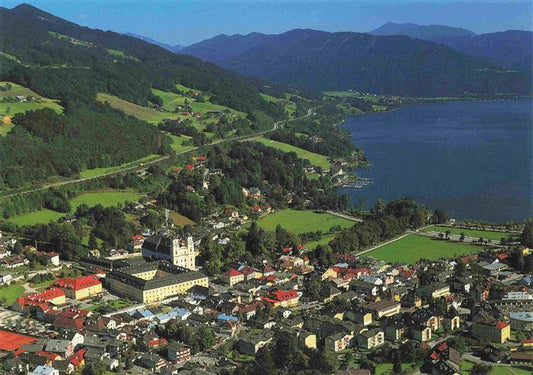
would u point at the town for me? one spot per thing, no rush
(152, 309)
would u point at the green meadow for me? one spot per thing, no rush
(86, 173)
(297, 222)
(315, 159)
(9, 109)
(477, 233)
(9, 294)
(106, 198)
(414, 247)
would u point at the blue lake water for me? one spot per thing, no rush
(472, 159)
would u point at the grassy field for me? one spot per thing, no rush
(323, 241)
(489, 235)
(36, 217)
(7, 110)
(10, 293)
(150, 115)
(180, 220)
(297, 222)
(114, 305)
(171, 100)
(466, 369)
(177, 143)
(86, 173)
(386, 368)
(315, 159)
(413, 247)
(105, 198)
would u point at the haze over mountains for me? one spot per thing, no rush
(388, 64)
(171, 48)
(511, 49)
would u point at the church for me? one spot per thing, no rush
(178, 251)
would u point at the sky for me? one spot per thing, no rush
(188, 22)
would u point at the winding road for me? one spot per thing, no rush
(144, 165)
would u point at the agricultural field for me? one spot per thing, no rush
(180, 220)
(485, 234)
(171, 100)
(177, 143)
(298, 222)
(413, 247)
(315, 159)
(105, 198)
(87, 173)
(289, 106)
(8, 294)
(9, 109)
(150, 115)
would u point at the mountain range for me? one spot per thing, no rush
(511, 49)
(386, 64)
(171, 48)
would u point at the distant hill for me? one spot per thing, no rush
(318, 60)
(512, 49)
(425, 32)
(171, 48)
(72, 64)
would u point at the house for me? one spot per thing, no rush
(152, 362)
(522, 321)
(338, 341)
(383, 308)
(5, 277)
(176, 351)
(521, 358)
(395, 331)
(44, 370)
(249, 344)
(371, 339)
(452, 322)
(363, 287)
(71, 319)
(486, 331)
(283, 298)
(461, 284)
(494, 268)
(359, 316)
(434, 290)
(328, 292)
(54, 296)
(306, 340)
(232, 277)
(421, 333)
(53, 257)
(79, 288)
(62, 347)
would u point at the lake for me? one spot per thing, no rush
(473, 159)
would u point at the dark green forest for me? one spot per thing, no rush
(64, 61)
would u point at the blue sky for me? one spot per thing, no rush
(187, 22)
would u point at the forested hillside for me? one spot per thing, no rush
(64, 61)
(398, 65)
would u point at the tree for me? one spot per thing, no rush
(206, 337)
(526, 238)
(397, 363)
(462, 237)
(440, 217)
(92, 241)
(448, 232)
(480, 369)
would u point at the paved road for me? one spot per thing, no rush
(144, 165)
(345, 216)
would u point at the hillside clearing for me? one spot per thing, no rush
(315, 159)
